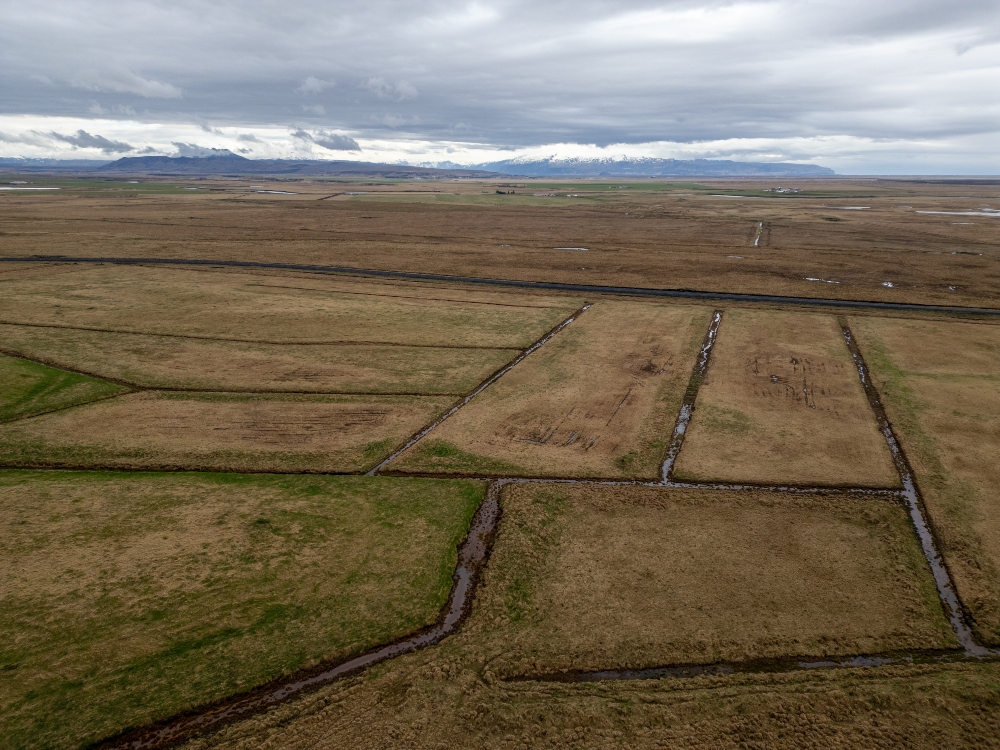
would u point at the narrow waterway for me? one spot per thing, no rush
(690, 397)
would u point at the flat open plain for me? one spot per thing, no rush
(156, 566)
(688, 235)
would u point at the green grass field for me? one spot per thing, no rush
(131, 597)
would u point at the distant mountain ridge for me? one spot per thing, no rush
(232, 164)
(650, 167)
(228, 163)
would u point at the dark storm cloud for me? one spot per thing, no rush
(330, 141)
(517, 73)
(83, 139)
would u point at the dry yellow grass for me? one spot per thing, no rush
(127, 598)
(782, 404)
(226, 432)
(940, 382)
(160, 362)
(276, 306)
(434, 700)
(598, 400)
(593, 578)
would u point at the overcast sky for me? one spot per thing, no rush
(862, 86)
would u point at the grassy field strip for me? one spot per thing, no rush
(482, 387)
(128, 599)
(140, 299)
(405, 296)
(942, 579)
(439, 701)
(781, 404)
(154, 430)
(591, 289)
(199, 365)
(270, 342)
(30, 389)
(938, 382)
(472, 554)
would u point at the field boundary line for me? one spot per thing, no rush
(7, 352)
(268, 342)
(856, 491)
(479, 389)
(753, 666)
(952, 605)
(24, 417)
(403, 296)
(548, 285)
(473, 552)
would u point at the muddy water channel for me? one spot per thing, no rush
(690, 396)
(472, 555)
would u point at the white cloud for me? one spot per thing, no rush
(329, 141)
(396, 92)
(314, 85)
(194, 150)
(125, 82)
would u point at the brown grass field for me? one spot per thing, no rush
(588, 578)
(661, 234)
(193, 364)
(941, 386)
(226, 432)
(598, 400)
(273, 306)
(130, 597)
(134, 589)
(782, 404)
